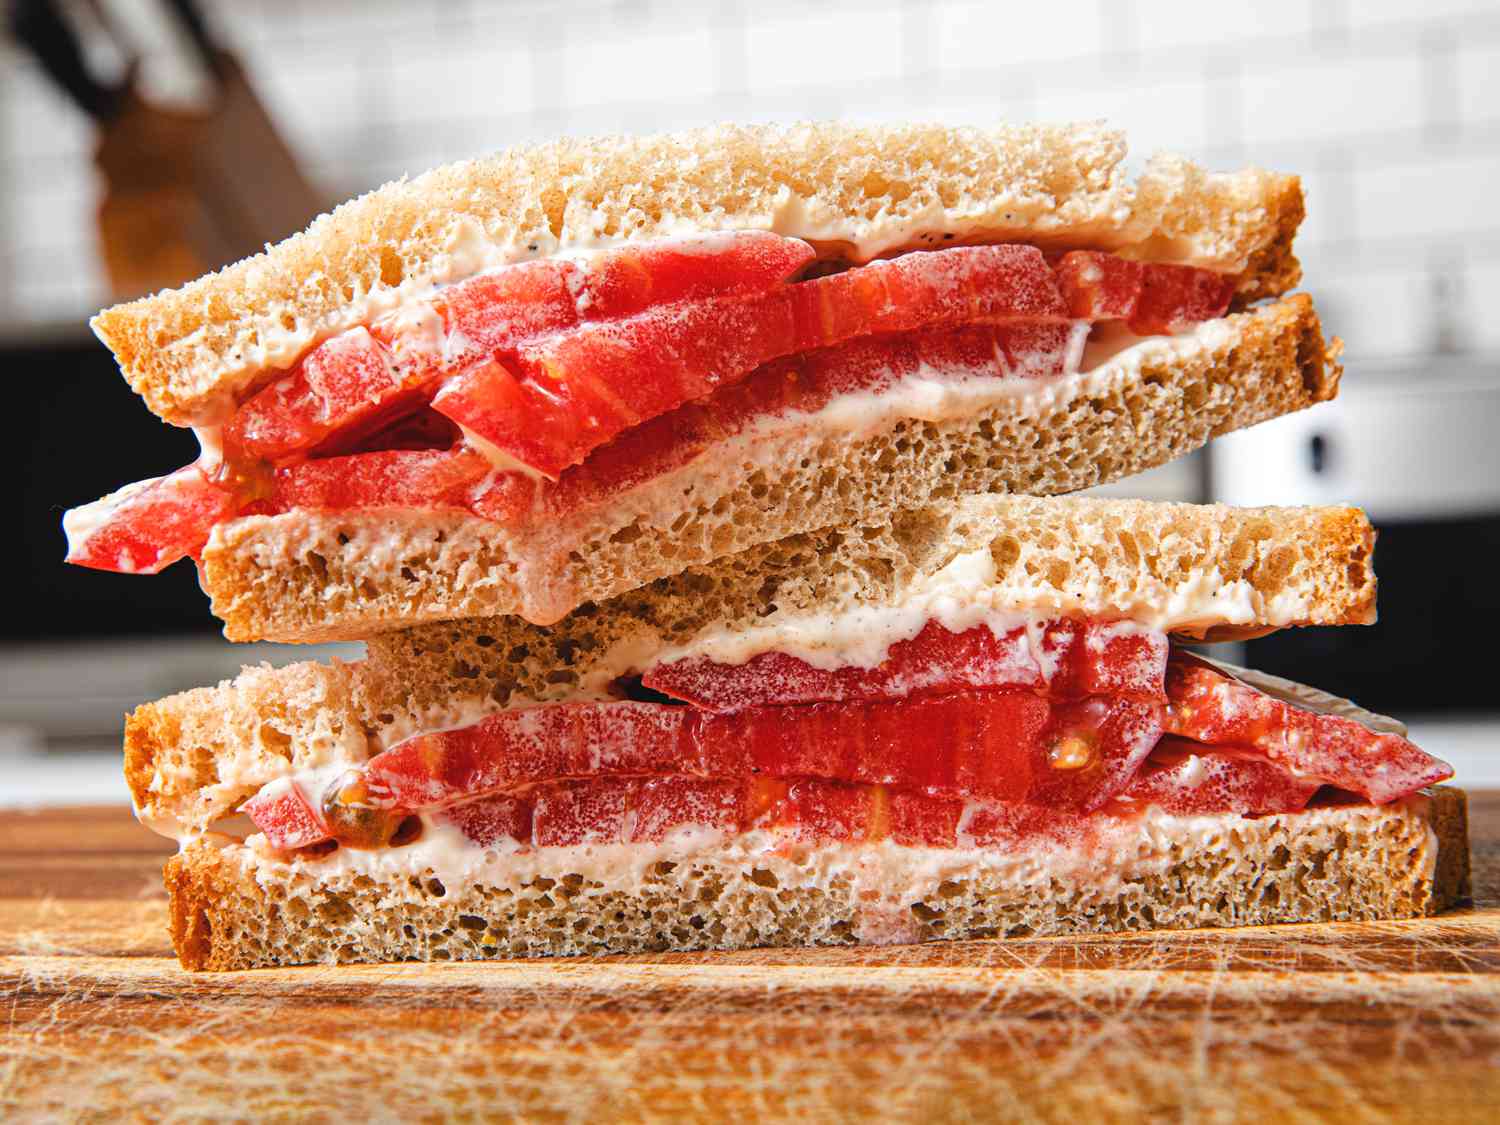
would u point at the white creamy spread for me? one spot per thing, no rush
(210, 446)
(443, 850)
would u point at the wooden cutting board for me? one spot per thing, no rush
(1394, 1021)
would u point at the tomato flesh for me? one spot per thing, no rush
(1174, 298)
(149, 526)
(1211, 707)
(1066, 658)
(287, 817)
(1188, 778)
(1099, 286)
(581, 388)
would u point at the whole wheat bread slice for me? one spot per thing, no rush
(193, 758)
(312, 575)
(234, 909)
(854, 191)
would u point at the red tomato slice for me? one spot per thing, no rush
(1174, 298)
(569, 393)
(635, 277)
(492, 820)
(1187, 778)
(148, 526)
(1099, 286)
(288, 819)
(1066, 659)
(361, 378)
(405, 478)
(999, 744)
(348, 382)
(1210, 706)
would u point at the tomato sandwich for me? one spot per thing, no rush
(974, 718)
(522, 383)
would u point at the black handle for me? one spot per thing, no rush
(191, 18)
(37, 24)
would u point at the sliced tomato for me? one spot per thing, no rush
(1099, 286)
(1067, 658)
(999, 744)
(361, 378)
(603, 811)
(566, 395)
(1174, 298)
(288, 819)
(420, 478)
(929, 289)
(1188, 778)
(632, 278)
(635, 810)
(346, 383)
(569, 393)
(1209, 706)
(492, 820)
(497, 310)
(148, 526)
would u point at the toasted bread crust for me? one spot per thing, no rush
(855, 191)
(1352, 863)
(308, 576)
(194, 757)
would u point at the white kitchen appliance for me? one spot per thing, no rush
(1417, 445)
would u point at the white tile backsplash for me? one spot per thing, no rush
(987, 36)
(1325, 99)
(829, 46)
(312, 102)
(660, 67)
(1378, 313)
(1390, 113)
(478, 83)
(37, 121)
(1171, 116)
(1481, 297)
(1178, 24)
(1478, 83)
(1378, 12)
(1437, 197)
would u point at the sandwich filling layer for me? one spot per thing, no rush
(1050, 732)
(531, 392)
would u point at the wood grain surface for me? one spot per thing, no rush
(1393, 1021)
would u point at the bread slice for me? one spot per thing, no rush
(856, 192)
(306, 575)
(192, 758)
(234, 909)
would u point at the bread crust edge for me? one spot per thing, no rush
(198, 880)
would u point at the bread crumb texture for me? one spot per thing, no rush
(231, 910)
(855, 191)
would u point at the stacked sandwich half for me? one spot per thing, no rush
(689, 493)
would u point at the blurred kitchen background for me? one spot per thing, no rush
(144, 141)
